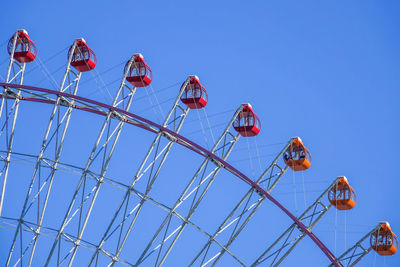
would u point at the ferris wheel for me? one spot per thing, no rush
(54, 211)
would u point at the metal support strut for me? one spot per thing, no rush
(52, 137)
(227, 141)
(354, 254)
(310, 217)
(15, 74)
(123, 100)
(270, 177)
(174, 120)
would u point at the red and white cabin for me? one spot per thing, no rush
(195, 95)
(247, 122)
(25, 49)
(83, 58)
(139, 73)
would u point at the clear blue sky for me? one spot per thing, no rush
(327, 71)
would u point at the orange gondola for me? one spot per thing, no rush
(383, 240)
(25, 49)
(195, 95)
(297, 156)
(139, 74)
(342, 195)
(247, 122)
(83, 58)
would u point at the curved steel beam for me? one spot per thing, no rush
(154, 127)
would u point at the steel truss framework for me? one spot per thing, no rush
(15, 74)
(158, 157)
(361, 248)
(205, 172)
(10, 223)
(285, 243)
(53, 140)
(102, 152)
(123, 222)
(243, 211)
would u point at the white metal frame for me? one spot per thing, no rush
(15, 74)
(53, 136)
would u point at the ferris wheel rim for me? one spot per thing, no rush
(183, 141)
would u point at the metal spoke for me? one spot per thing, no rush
(97, 148)
(361, 248)
(58, 148)
(310, 217)
(272, 177)
(18, 78)
(200, 173)
(153, 174)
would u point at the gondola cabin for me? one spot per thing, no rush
(342, 195)
(25, 49)
(139, 73)
(83, 58)
(247, 122)
(383, 240)
(297, 156)
(195, 95)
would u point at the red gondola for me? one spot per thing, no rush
(195, 95)
(342, 195)
(383, 240)
(83, 58)
(247, 122)
(297, 156)
(139, 74)
(25, 49)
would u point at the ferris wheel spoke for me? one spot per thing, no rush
(361, 248)
(176, 123)
(178, 115)
(59, 141)
(201, 176)
(9, 136)
(71, 86)
(123, 100)
(96, 191)
(270, 177)
(238, 227)
(17, 78)
(195, 202)
(286, 242)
